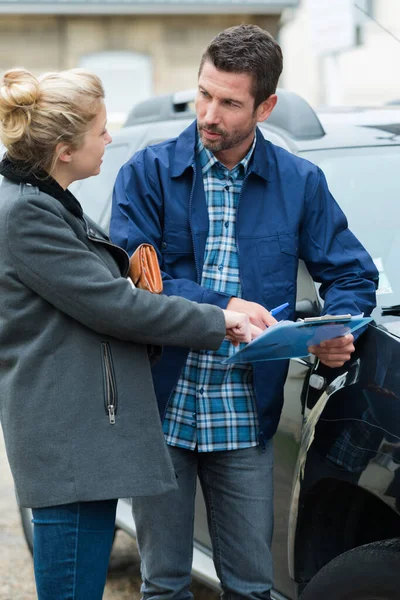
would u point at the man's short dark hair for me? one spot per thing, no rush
(247, 49)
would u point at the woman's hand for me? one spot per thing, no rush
(238, 328)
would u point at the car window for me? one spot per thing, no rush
(365, 183)
(94, 193)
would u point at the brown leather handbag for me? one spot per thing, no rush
(144, 269)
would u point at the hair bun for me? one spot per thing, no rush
(19, 93)
(18, 88)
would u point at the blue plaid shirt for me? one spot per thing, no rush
(213, 406)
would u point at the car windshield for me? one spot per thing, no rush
(365, 183)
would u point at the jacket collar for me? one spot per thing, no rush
(262, 163)
(185, 150)
(17, 172)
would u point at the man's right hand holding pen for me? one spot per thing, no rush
(258, 315)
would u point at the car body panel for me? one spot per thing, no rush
(350, 444)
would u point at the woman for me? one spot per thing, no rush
(77, 405)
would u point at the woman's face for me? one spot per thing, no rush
(86, 160)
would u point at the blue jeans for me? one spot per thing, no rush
(238, 491)
(71, 549)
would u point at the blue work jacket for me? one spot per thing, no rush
(285, 212)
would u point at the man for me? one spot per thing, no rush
(230, 215)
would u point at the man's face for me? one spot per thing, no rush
(226, 117)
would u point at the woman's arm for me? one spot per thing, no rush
(51, 260)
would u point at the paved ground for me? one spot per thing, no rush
(16, 574)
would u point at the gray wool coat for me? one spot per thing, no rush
(77, 405)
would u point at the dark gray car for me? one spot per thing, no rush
(337, 449)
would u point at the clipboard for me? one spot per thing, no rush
(289, 339)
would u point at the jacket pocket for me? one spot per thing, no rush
(178, 254)
(109, 383)
(288, 244)
(177, 242)
(278, 260)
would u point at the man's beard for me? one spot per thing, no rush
(226, 141)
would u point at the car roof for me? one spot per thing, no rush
(293, 120)
(359, 115)
(345, 135)
(292, 113)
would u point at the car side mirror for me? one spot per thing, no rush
(306, 308)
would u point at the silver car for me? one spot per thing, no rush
(337, 449)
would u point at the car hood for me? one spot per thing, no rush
(392, 327)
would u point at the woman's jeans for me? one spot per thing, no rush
(72, 546)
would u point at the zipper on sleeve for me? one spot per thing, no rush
(110, 388)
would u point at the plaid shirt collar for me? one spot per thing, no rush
(208, 159)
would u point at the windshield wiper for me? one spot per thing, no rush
(393, 311)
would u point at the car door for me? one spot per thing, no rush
(288, 438)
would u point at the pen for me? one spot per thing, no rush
(278, 309)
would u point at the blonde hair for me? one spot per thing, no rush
(36, 114)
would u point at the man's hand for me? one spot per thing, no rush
(335, 352)
(258, 315)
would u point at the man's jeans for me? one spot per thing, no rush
(238, 490)
(72, 545)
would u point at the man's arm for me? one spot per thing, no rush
(39, 240)
(137, 217)
(337, 260)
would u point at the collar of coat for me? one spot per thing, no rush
(262, 162)
(17, 172)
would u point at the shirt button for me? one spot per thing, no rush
(164, 245)
(226, 224)
(220, 267)
(201, 390)
(194, 415)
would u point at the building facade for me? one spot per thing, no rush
(363, 74)
(139, 48)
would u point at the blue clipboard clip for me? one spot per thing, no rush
(326, 319)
